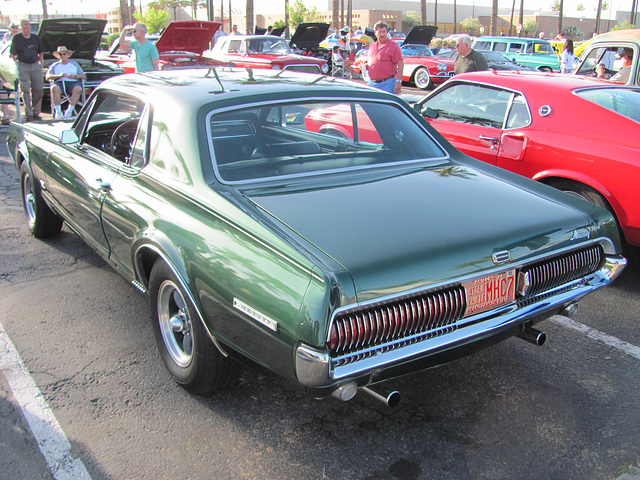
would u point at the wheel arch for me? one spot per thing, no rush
(614, 207)
(328, 127)
(553, 176)
(146, 255)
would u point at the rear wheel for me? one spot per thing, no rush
(185, 347)
(546, 69)
(586, 193)
(581, 191)
(422, 79)
(41, 220)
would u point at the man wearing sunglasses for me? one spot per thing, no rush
(147, 57)
(66, 76)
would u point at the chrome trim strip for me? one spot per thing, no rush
(256, 315)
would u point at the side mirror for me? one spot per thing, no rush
(427, 112)
(68, 137)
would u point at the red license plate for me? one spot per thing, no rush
(490, 292)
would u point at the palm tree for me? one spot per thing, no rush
(336, 14)
(455, 15)
(494, 17)
(596, 29)
(435, 14)
(513, 8)
(44, 9)
(521, 16)
(125, 16)
(286, 18)
(423, 11)
(560, 10)
(250, 16)
(632, 17)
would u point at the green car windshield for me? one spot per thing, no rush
(305, 138)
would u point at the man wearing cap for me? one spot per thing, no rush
(27, 50)
(384, 61)
(13, 29)
(626, 56)
(147, 57)
(66, 76)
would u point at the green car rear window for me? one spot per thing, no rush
(314, 137)
(622, 100)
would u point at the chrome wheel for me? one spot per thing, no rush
(175, 324)
(28, 199)
(421, 78)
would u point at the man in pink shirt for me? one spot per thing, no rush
(384, 63)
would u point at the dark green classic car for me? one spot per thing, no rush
(337, 259)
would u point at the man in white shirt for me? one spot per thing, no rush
(66, 76)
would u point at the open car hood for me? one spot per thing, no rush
(309, 35)
(82, 35)
(420, 34)
(187, 36)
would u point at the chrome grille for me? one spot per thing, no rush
(549, 274)
(388, 322)
(359, 334)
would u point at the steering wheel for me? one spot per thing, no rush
(122, 139)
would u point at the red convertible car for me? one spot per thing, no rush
(180, 46)
(265, 51)
(575, 133)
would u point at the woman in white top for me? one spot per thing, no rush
(567, 58)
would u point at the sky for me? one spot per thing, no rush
(75, 7)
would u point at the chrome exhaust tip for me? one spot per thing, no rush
(570, 310)
(391, 398)
(532, 335)
(346, 391)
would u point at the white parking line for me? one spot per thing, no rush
(614, 342)
(52, 441)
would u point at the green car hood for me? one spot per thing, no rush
(412, 230)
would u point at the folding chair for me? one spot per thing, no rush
(10, 96)
(66, 99)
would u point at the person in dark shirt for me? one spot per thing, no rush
(27, 50)
(468, 59)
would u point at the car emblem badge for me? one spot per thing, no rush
(501, 257)
(580, 233)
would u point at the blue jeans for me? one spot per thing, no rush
(388, 85)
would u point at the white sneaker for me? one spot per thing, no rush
(69, 113)
(57, 114)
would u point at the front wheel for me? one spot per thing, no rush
(41, 220)
(422, 79)
(185, 347)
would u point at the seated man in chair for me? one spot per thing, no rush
(66, 77)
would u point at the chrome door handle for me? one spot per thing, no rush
(492, 140)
